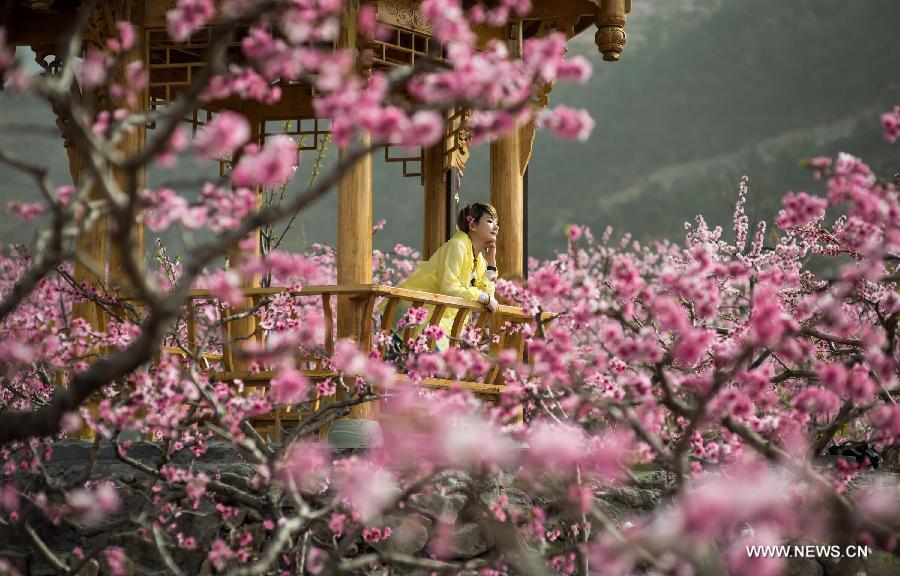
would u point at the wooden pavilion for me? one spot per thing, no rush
(40, 23)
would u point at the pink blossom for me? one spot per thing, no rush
(177, 142)
(573, 232)
(545, 54)
(448, 21)
(305, 467)
(368, 24)
(741, 563)
(93, 506)
(472, 442)
(272, 166)
(9, 498)
(800, 209)
(626, 279)
(368, 487)
(568, 123)
(65, 193)
(225, 285)
(890, 122)
(195, 489)
(164, 207)
(336, 523)
(373, 535)
(555, 446)
(187, 17)
(692, 344)
(576, 68)
(226, 208)
(886, 423)
(815, 400)
(819, 165)
(125, 39)
(115, 558)
(220, 553)
(670, 314)
(25, 210)
(93, 69)
(226, 133)
(833, 376)
(289, 387)
(860, 387)
(717, 505)
(768, 322)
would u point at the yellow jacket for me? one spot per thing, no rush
(449, 271)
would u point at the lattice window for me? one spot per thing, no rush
(172, 65)
(310, 132)
(402, 47)
(406, 160)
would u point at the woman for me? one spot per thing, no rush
(464, 267)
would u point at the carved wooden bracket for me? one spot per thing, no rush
(456, 140)
(528, 131)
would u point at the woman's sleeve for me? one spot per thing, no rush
(449, 275)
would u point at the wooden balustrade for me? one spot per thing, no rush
(213, 343)
(504, 327)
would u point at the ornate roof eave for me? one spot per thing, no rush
(575, 16)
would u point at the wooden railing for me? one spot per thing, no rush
(503, 329)
(218, 342)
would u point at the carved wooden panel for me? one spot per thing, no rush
(403, 14)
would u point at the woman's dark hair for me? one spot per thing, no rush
(475, 211)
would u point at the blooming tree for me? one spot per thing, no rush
(709, 374)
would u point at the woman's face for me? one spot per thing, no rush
(486, 229)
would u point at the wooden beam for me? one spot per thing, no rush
(553, 9)
(28, 28)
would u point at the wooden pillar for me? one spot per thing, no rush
(354, 251)
(525, 223)
(507, 197)
(506, 186)
(241, 330)
(131, 143)
(435, 180)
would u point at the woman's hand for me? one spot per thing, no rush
(489, 302)
(490, 254)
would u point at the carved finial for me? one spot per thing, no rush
(610, 37)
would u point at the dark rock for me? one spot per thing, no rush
(408, 535)
(436, 505)
(631, 497)
(91, 568)
(470, 540)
